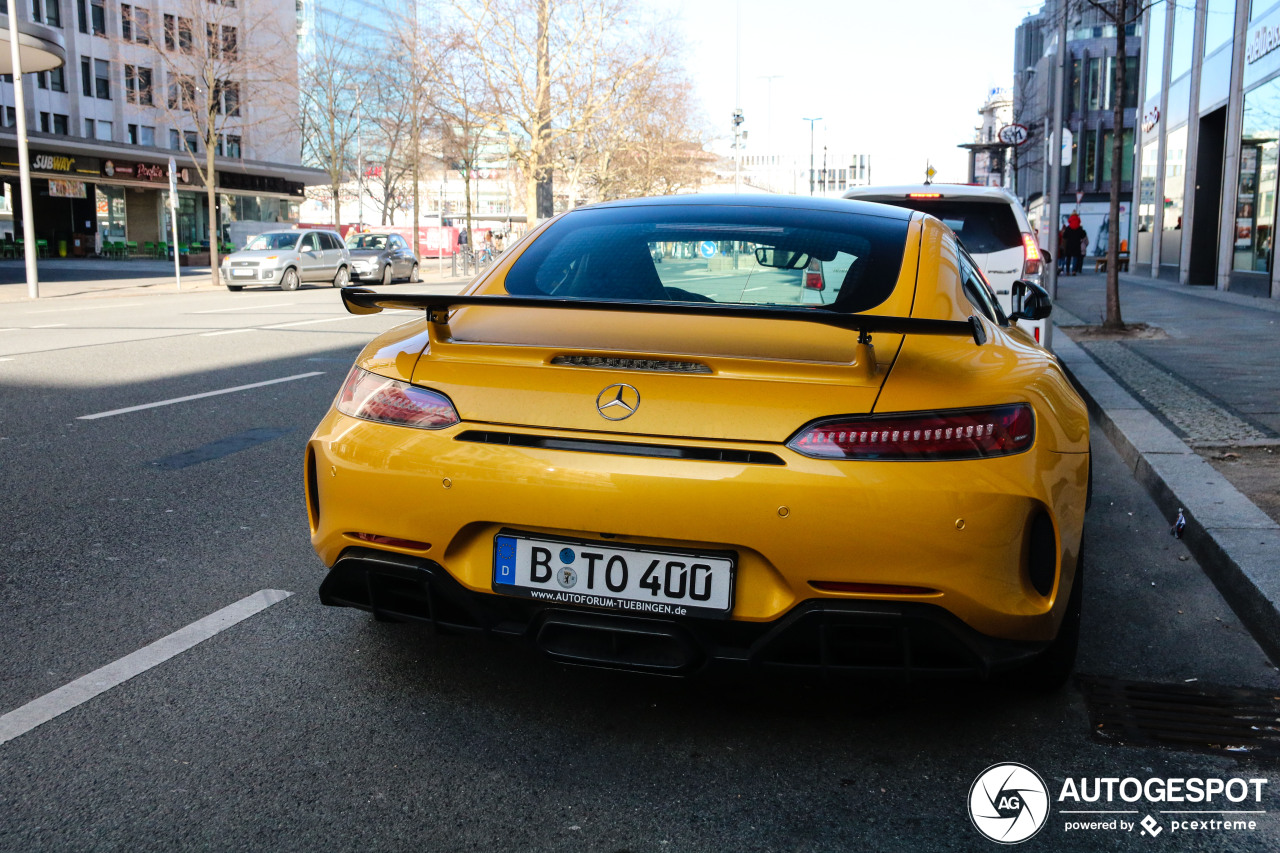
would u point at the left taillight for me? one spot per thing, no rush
(958, 434)
(376, 398)
(813, 278)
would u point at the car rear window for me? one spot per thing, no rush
(982, 226)
(708, 253)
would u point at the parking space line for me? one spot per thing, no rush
(199, 396)
(43, 709)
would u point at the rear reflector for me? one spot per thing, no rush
(958, 434)
(872, 588)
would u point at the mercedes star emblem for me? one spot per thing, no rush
(618, 402)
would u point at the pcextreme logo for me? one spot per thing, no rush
(1009, 803)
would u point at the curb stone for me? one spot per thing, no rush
(1236, 544)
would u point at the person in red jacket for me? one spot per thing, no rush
(1074, 242)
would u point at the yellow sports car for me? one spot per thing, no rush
(664, 434)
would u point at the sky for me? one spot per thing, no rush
(901, 80)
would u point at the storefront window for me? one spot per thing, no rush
(1147, 205)
(1155, 51)
(1126, 154)
(1219, 18)
(1175, 161)
(111, 214)
(1256, 192)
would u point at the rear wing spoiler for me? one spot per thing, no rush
(359, 300)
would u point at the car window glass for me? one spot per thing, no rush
(309, 243)
(397, 242)
(332, 241)
(982, 226)
(708, 254)
(323, 240)
(979, 292)
(273, 240)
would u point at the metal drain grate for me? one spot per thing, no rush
(1236, 721)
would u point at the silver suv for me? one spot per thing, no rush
(289, 258)
(991, 226)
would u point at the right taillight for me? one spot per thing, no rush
(1031, 257)
(958, 434)
(813, 279)
(376, 398)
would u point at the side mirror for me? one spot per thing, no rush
(1030, 301)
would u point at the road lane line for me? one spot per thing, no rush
(244, 308)
(49, 326)
(308, 322)
(39, 711)
(199, 396)
(228, 332)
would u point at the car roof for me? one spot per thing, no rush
(789, 202)
(965, 191)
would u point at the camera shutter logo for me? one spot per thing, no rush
(1008, 803)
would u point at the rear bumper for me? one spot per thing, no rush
(831, 638)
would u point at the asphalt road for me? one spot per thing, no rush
(306, 728)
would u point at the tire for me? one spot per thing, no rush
(386, 275)
(413, 274)
(342, 278)
(235, 288)
(289, 281)
(1050, 669)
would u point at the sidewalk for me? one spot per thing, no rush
(1194, 409)
(99, 277)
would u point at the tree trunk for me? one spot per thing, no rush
(1113, 319)
(211, 190)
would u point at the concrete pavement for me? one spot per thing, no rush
(1204, 380)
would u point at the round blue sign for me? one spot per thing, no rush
(707, 249)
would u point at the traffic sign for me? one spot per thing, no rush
(1014, 134)
(1079, 197)
(707, 249)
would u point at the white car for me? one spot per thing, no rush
(991, 225)
(289, 259)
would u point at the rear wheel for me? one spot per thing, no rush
(343, 278)
(289, 281)
(413, 274)
(386, 275)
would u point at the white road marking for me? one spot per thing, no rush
(11, 329)
(309, 322)
(753, 289)
(39, 711)
(228, 332)
(245, 308)
(49, 326)
(113, 304)
(199, 396)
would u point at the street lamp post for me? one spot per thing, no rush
(811, 121)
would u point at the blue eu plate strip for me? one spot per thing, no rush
(504, 559)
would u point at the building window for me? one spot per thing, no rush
(1256, 193)
(58, 79)
(170, 32)
(141, 25)
(10, 117)
(233, 146)
(132, 132)
(82, 15)
(226, 97)
(86, 77)
(126, 22)
(89, 128)
(230, 42)
(186, 37)
(175, 142)
(42, 79)
(190, 138)
(53, 13)
(102, 79)
(147, 135)
(98, 15)
(182, 92)
(45, 124)
(105, 129)
(60, 124)
(137, 84)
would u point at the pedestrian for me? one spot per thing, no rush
(1074, 242)
(462, 238)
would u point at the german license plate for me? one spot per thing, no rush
(242, 273)
(627, 579)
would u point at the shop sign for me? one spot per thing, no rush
(1263, 41)
(53, 163)
(66, 189)
(143, 172)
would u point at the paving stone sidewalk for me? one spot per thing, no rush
(1208, 380)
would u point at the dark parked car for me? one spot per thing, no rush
(381, 257)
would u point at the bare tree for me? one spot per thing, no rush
(212, 54)
(332, 93)
(553, 70)
(1121, 14)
